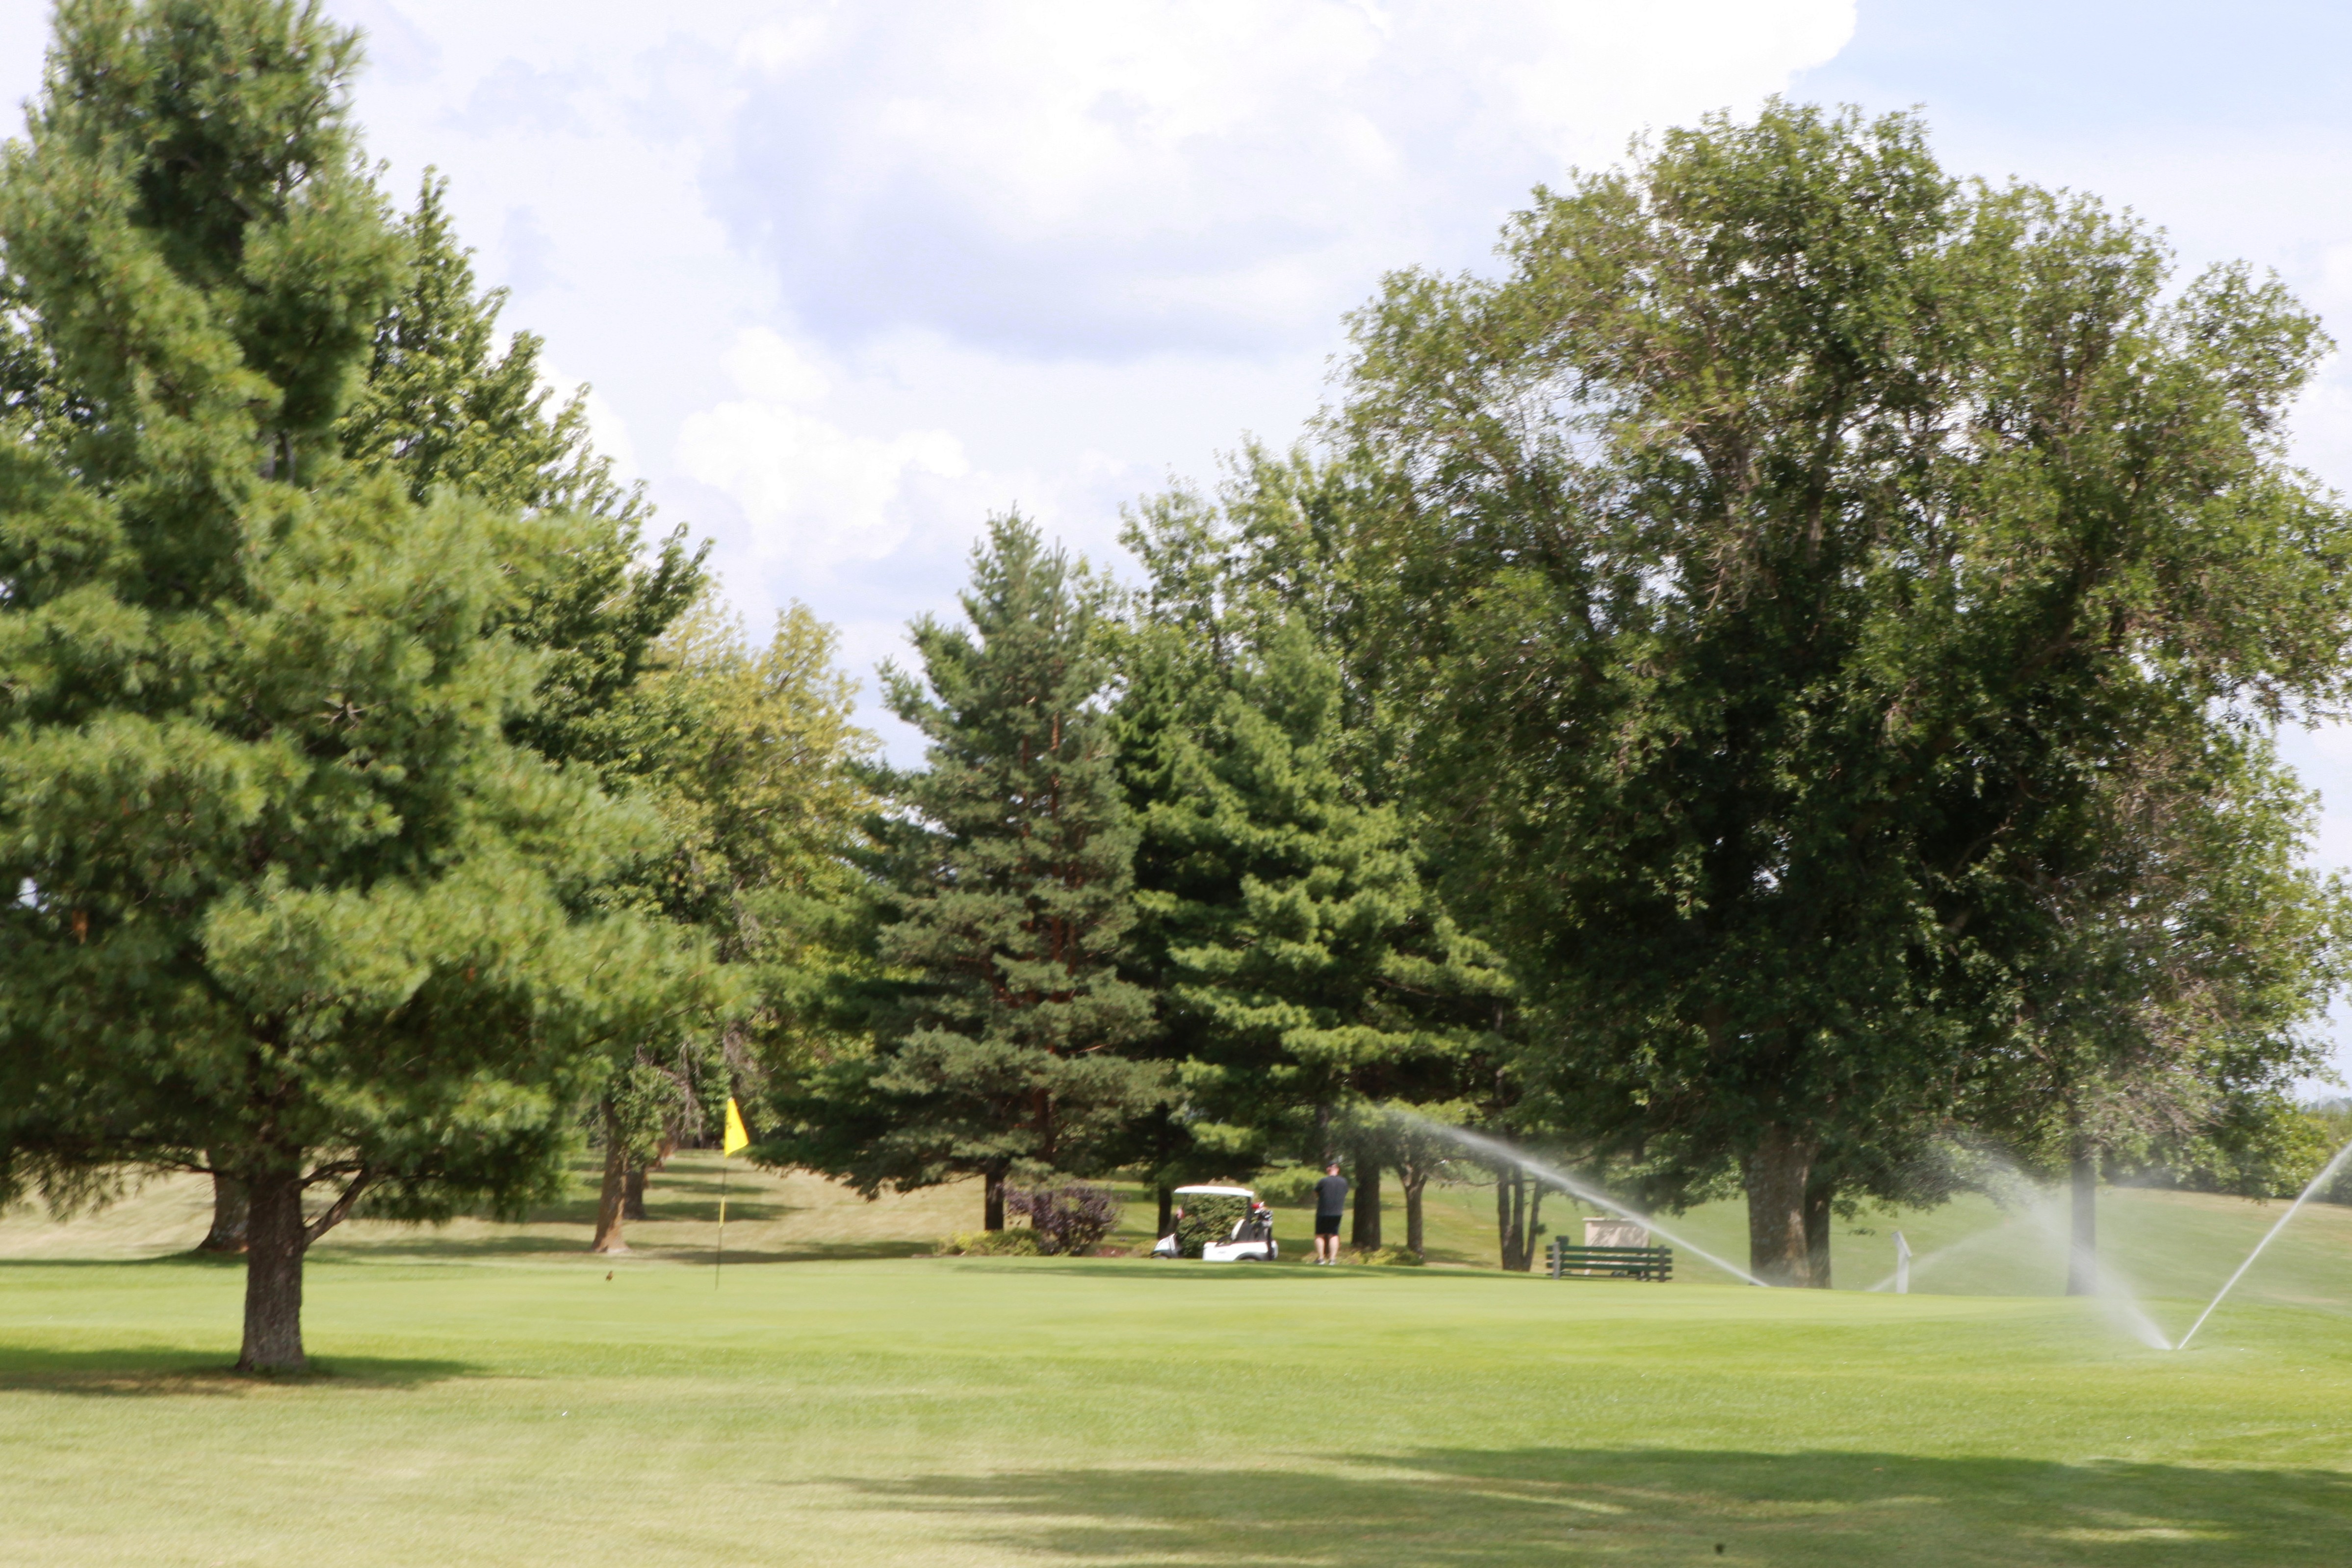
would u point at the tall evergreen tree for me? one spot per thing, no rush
(1308, 976)
(1011, 857)
(294, 906)
(448, 403)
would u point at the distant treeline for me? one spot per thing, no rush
(1770, 691)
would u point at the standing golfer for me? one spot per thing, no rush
(1330, 1204)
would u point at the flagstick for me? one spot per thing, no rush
(732, 1139)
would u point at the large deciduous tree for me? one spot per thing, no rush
(754, 771)
(1793, 529)
(294, 906)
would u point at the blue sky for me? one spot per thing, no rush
(847, 278)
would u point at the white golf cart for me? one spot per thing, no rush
(1221, 1224)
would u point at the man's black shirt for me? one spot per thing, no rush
(1331, 1195)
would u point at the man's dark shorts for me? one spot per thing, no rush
(1327, 1224)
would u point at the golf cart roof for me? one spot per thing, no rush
(1216, 1191)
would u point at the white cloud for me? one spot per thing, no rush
(814, 494)
(1078, 179)
(1038, 254)
(606, 428)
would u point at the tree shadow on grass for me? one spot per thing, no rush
(1182, 1271)
(798, 1252)
(427, 1244)
(677, 1203)
(428, 1247)
(225, 1262)
(1482, 1508)
(675, 1208)
(119, 1372)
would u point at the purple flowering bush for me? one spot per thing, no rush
(1068, 1218)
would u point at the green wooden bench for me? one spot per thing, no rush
(1610, 1262)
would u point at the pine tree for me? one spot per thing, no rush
(1004, 1054)
(1310, 980)
(295, 907)
(451, 401)
(445, 403)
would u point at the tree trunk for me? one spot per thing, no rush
(1506, 1216)
(1412, 1179)
(608, 1198)
(992, 1203)
(275, 1243)
(632, 1193)
(1817, 1195)
(2083, 1251)
(1167, 1212)
(227, 1234)
(1777, 1174)
(1517, 1203)
(1533, 1228)
(1364, 1233)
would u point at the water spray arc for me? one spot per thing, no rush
(2326, 1173)
(2108, 1287)
(1495, 1149)
(1922, 1259)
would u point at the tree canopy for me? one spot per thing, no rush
(1794, 529)
(295, 904)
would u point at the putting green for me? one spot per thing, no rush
(491, 1401)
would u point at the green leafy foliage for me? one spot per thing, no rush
(1069, 1218)
(1203, 1217)
(991, 1244)
(1795, 537)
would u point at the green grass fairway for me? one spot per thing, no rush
(493, 1397)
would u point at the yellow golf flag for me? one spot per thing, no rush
(736, 1138)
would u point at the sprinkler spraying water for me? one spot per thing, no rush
(2326, 1172)
(2107, 1285)
(1497, 1149)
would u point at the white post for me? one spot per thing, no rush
(1902, 1265)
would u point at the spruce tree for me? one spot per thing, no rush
(1011, 859)
(1310, 978)
(294, 907)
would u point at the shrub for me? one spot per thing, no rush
(1392, 1258)
(1069, 1219)
(991, 1244)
